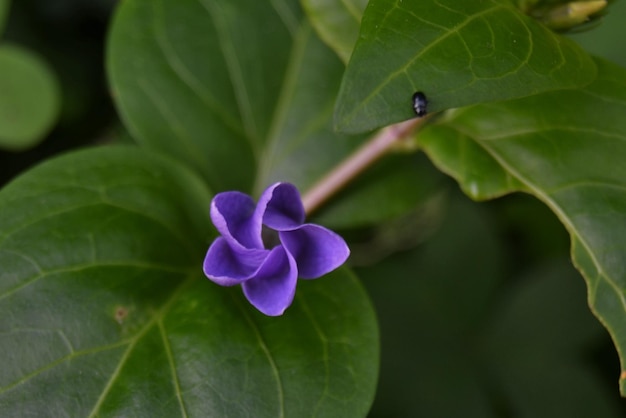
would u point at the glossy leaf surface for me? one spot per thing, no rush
(567, 148)
(103, 298)
(457, 52)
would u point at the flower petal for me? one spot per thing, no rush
(234, 216)
(227, 267)
(280, 207)
(317, 250)
(272, 289)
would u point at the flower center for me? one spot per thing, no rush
(270, 237)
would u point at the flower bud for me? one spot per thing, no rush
(563, 15)
(573, 14)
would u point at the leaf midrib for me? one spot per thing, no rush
(154, 321)
(186, 76)
(279, 117)
(268, 355)
(236, 75)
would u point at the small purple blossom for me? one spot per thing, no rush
(269, 269)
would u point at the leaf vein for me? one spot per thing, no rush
(283, 105)
(232, 62)
(418, 56)
(187, 77)
(286, 15)
(51, 365)
(268, 356)
(133, 342)
(325, 354)
(170, 360)
(25, 282)
(174, 124)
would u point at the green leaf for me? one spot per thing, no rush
(200, 80)
(246, 108)
(30, 99)
(337, 23)
(567, 148)
(302, 146)
(462, 158)
(457, 52)
(102, 299)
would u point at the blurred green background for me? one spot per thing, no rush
(481, 311)
(69, 35)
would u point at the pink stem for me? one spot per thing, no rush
(356, 163)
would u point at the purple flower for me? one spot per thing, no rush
(266, 247)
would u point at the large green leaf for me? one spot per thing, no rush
(203, 81)
(457, 52)
(104, 310)
(567, 148)
(184, 86)
(29, 98)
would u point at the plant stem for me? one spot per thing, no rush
(357, 162)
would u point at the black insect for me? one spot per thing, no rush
(420, 104)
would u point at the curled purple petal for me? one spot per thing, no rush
(227, 267)
(317, 250)
(268, 277)
(272, 289)
(234, 216)
(281, 207)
